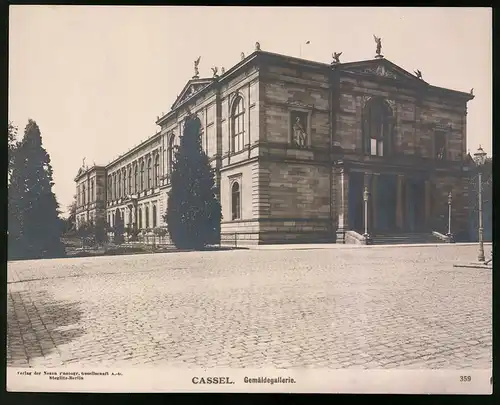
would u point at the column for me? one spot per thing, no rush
(373, 203)
(341, 192)
(428, 196)
(343, 207)
(399, 202)
(367, 182)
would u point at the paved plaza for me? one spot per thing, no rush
(343, 307)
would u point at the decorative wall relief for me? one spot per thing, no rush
(364, 100)
(392, 104)
(380, 70)
(300, 105)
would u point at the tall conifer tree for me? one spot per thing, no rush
(193, 211)
(34, 225)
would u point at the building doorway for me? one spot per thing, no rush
(385, 204)
(415, 205)
(355, 213)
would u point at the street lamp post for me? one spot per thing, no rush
(365, 199)
(449, 215)
(479, 158)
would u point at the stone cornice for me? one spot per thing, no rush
(155, 137)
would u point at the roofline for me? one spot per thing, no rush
(134, 149)
(88, 170)
(460, 93)
(226, 75)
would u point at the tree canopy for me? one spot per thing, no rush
(34, 225)
(193, 211)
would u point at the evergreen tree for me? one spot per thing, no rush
(85, 232)
(119, 228)
(34, 225)
(12, 144)
(70, 223)
(193, 213)
(100, 230)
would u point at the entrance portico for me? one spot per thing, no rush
(397, 202)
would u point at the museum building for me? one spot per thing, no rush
(304, 152)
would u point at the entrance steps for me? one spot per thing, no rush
(405, 238)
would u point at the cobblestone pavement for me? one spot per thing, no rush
(374, 307)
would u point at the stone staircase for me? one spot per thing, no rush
(405, 238)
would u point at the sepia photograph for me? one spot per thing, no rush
(250, 199)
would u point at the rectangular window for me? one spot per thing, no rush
(380, 147)
(373, 147)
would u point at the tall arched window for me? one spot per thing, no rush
(157, 171)
(142, 176)
(92, 190)
(170, 153)
(149, 174)
(146, 213)
(124, 175)
(83, 194)
(136, 178)
(235, 201)
(119, 185)
(114, 187)
(139, 214)
(130, 222)
(130, 180)
(377, 127)
(237, 125)
(154, 216)
(110, 185)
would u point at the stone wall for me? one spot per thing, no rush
(417, 117)
(442, 185)
(298, 190)
(285, 91)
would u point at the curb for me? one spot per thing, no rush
(475, 266)
(356, 246)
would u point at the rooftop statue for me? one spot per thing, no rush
(336, 57)
(378, 41)
(196, 64)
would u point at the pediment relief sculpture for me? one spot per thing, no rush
(380, 70)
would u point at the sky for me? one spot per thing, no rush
(96, 78)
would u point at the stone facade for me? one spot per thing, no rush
(294, 144)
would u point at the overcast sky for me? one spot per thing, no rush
(95, 78)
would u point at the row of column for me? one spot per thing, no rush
(138, 215)
(341, 193)
(86, 191)
(135, 176)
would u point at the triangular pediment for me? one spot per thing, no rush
(192, 87)
(383, 68)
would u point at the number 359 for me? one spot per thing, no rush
(465, 378)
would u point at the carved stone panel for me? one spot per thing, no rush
(380, 70)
